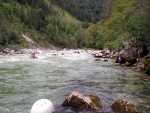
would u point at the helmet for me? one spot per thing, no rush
(42, 106)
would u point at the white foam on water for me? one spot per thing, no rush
(4, 110)
(76, 56)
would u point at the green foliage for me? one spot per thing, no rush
(117, 44)
(90, 36)
(126, 19)
(138, 23)
(39, 20)
(127, 64)
(84, 10)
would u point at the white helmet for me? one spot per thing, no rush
(42, 106)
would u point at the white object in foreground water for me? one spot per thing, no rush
(42, 106)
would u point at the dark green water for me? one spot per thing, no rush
(24, 81)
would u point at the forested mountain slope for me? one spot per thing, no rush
(84, 10)
(122, 19)
(38, 19)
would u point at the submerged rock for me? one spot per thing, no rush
(122, 106)
(101, 59)
(146, 79)
(97, 60)
(80, 101)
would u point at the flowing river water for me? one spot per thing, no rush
(24, 81)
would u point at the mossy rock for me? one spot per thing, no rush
(127, 64)
(132, 60)
(97, 60)
(76, 100)
(122, 106)
(95, 101)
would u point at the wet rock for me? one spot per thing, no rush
(101, 59)
(98, 55)
(106, 56)
(80, 101)
(104, 60)
(128, 61)
(107, 51)
(97, 60)
(122, 106)
(127, 64)
(18, 52)
(95, 53)
(6, 51)
(12, 52)
(146, 79)
(115, 55)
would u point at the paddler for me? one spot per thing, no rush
(120, 60)
(33, 55)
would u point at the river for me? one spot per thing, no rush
(24, 81)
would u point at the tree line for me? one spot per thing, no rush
(121, 19)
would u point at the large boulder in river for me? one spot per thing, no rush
(12, 52)
(122, 106)
(101, 59)
(130, 53)
(133, 51)
(80, 101)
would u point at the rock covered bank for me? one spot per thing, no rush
(136, 57)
